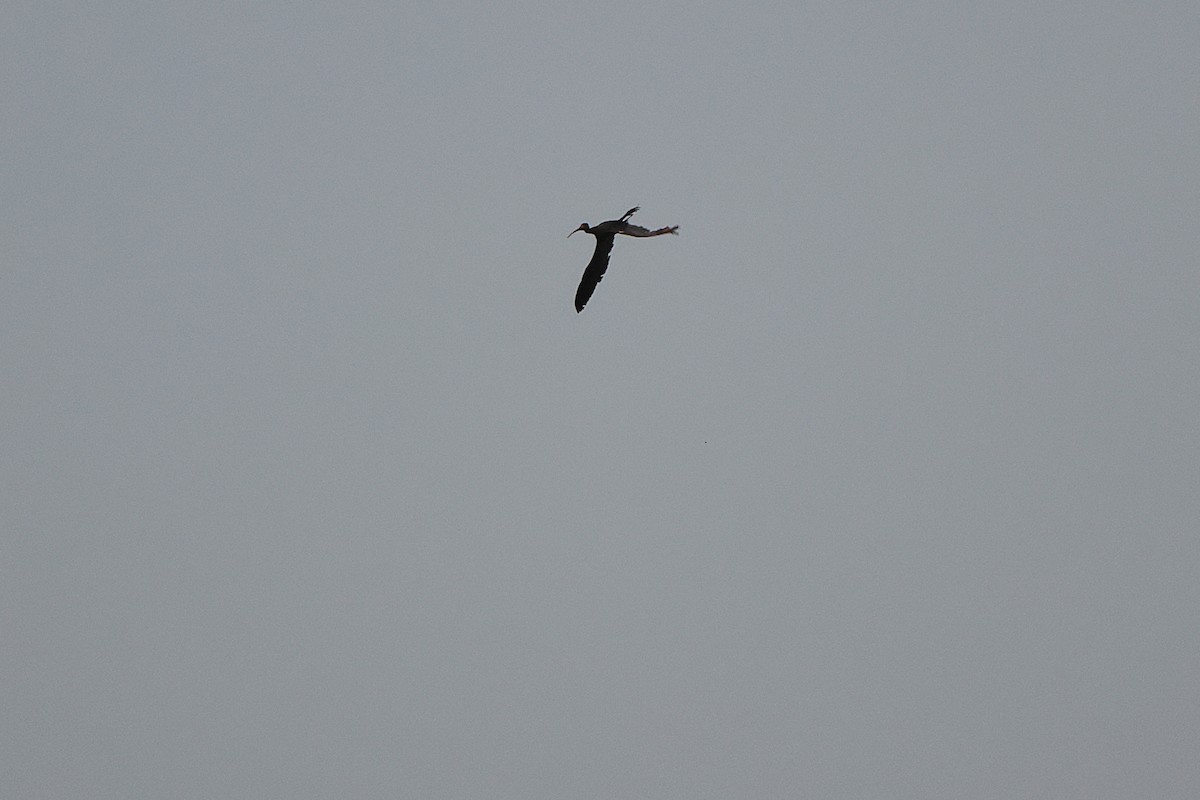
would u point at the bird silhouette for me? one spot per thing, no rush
(605, 232)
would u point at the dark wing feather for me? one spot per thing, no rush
(594, 272)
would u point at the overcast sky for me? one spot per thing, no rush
(882, 479)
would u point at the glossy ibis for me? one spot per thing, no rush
(605, 232)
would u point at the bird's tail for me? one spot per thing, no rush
(638, 230)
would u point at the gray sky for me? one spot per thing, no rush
(880, 480)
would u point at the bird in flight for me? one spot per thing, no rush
(605, 232)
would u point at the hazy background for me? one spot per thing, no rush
(880, 480)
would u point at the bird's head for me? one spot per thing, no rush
(583, 226)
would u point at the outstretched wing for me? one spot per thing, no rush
(594, 272)
(637, 230)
